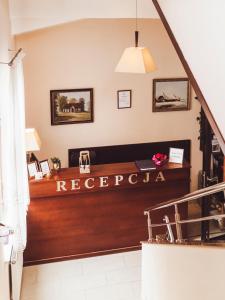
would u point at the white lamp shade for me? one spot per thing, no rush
(136, 60)
(33, 142)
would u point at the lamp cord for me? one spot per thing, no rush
(136, 31)
(136, 16)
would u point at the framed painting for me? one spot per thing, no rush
(71, 106)
(171, 94)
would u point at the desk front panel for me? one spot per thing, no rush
(85, 222)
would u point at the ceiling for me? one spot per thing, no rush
(28, 15)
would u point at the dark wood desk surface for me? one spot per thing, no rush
(100, 215)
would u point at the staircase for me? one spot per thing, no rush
(173, 266)
(196, 29)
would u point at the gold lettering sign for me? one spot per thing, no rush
(76, 184)
(87, 183)
(160, 177)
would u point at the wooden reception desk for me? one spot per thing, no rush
(73, 215)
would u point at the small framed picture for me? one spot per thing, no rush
(176, 155)
(124, 99)
(38, 176)
(215, 145)
(32, 169)
(171, 94)
(44, 167)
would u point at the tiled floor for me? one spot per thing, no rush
(110, 277)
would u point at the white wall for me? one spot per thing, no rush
(84, 54)
(4, 275)
(30, 15)
(198, 27)
(175, 272)
(5, 36)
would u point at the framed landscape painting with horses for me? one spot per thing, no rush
(71, 106)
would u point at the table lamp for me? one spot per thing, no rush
(33, 143)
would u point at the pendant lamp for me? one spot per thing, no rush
(136, 59)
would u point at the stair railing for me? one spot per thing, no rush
(177, 220)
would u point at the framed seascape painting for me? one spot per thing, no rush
(71, 106)
(171, 94)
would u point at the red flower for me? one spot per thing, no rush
(159, 159)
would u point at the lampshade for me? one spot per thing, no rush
(136, 60)
(33, 142)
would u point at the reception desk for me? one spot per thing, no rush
(73, 215)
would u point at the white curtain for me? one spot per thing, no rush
(15, 192)
(4, 91)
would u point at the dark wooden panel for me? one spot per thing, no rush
(103, 221)
(85, 224)
(127, 153)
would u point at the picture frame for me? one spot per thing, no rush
(32, 168)
(176, 155)
(71, 106)
(171, 94)
(124, 98)
(44, 167)
(215, 145)
(38, 176)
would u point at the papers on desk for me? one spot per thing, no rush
(145, 165)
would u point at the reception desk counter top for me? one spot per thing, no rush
(69, 180)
